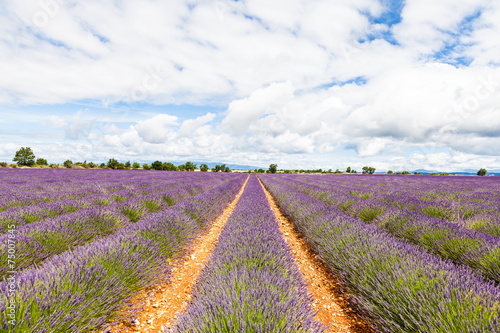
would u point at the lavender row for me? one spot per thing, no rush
(471, 202)
(133, 203)
(448, 240)
(397, 285)
(43, 240)
(137, 183)
(33, 187)
(52, 236)
(137, 207)
(83, 289)
(251, 283)
(22, 215)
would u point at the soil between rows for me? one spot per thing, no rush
(329, 300)
(162, 303)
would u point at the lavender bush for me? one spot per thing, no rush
(81, 290)
(251, 283)
(30, 196)
(427, 223)
(399, 286)
(52, 236)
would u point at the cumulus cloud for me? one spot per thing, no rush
(299, 81)
(79, 126)
(191, 126)
(425, 30)
(112, 128)
(243, 112)
(157, 129)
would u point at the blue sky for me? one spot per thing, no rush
(326, 84)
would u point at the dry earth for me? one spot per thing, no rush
(164, 302)
(330, 302)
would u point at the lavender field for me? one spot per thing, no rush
(413, 253)
(417, 253)
(86, 241)
(258, 285)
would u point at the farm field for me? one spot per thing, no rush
(417, 253)
(411, 253)
(87, 241)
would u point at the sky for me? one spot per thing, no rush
(305, 84)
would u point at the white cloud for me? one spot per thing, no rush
(243, 112)
(297, 78)
(427, 24)
(157, 129)
(90, 49)
(79, 126)
(191, 126)
(112, 128)
(373, 147)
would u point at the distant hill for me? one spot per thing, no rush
(467, 172)
(231, 166)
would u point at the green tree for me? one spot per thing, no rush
(190, 166)
(112, 163)
(146, 166)
(273, 168)
(167, 166)
(41, 161)
(24, 156)
(68, 163)
(390, 172)
(348, 170)
(203, 168)
(226, 169)
(135, 165)
(92, 165)
(482, 172)
(368, 170)
(157, 165)
(182, 167)
(127, 164)
(260, 171)
(217, 168)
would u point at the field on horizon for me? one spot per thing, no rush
(410, 253)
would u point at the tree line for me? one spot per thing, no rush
(26, 157)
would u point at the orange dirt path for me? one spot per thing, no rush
(165, 301)
(331, 304)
